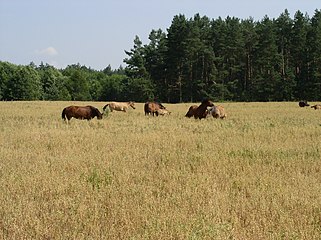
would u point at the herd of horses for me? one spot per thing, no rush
(305, 104)
(206, 108)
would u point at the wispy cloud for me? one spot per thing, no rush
(49, 51)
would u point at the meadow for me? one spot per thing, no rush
(254, 175)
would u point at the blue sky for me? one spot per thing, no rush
(95, 33)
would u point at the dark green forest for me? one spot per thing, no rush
(227, 59)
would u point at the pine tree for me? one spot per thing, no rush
(267, 62)
(286, 70)
(250, 44)
(298, 50)
(314, 58)
(175, 57)
(136, 61)
(155, 62)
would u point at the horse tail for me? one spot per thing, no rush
(63, 114)
(104, 108)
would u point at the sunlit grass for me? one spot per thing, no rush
(255, 175)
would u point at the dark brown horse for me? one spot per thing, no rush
(303, 104)
(152, 108)
(199, 111)
(81, 112)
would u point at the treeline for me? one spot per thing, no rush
(75, 82)
(232, 59)
(222, 59)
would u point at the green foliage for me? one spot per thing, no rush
(136, 62)
(98, 179)
(78, 84)
(24, 84)
(314, 57)
(6, 73)
(113, 88)
(54, 84)
(140, 89)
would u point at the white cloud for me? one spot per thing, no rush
(49, 51)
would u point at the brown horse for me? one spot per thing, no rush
(81, 112)
(200, 111)
(152, 108)
(318, 106)
(303, 104)
(119, 106)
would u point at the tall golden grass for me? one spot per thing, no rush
(255, 175)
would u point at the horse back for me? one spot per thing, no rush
(191, 111)
(119, 106)
(152, 107)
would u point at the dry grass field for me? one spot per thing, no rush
(255, 175)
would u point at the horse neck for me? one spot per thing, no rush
(130, 104)
(202, 107)
(95, 111)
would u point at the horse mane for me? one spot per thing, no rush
(161, 105)
(104, 108)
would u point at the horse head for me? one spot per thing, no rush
(161, 106)
(207, 103)
(132, 104)
(96, 113)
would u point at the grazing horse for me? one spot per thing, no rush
(200, 111)
(80, 112)
(303, 104)
(153, 108)
(318, 106)
(119, 106)
(217, 112)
